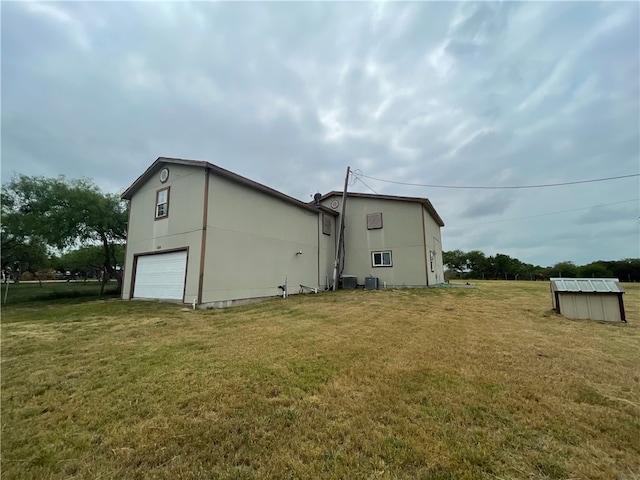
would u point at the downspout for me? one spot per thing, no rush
(319, 222)
(203, 245)
(340, 230)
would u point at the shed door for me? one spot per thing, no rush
(161, 276)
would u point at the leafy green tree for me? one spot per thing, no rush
(20, 253)
(564, 269)
(23, 255)
(503, 266)
(498, 265)
(477, 263)
(594, 270)
(626, 270)
(455, 260)
(65, 213)
(91, 258)
(520, 270)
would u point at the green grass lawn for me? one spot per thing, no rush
(448, 383)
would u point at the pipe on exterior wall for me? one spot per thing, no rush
(284, 288)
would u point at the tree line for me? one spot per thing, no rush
(476, 265)
(60, 224)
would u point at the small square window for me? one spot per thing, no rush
(381, 259)
(162, 203)
(374, 221)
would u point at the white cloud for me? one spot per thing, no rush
(67, 23)
(137, 74)
(440, 60)
(50, 11)
(377, 14)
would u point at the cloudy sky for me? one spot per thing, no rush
(290, 94)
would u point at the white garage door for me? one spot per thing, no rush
(161, 276)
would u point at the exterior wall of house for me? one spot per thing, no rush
(590, 306)
(252, 238)
(252, 243)
(326, 251)
(182, 228)
(402, 233)
(435, 269)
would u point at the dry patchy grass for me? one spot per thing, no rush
(434, 384)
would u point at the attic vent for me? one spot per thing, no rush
(374, 221)
(326, 224)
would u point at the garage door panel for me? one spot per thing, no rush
(161, 276)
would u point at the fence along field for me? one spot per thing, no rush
(434, 383)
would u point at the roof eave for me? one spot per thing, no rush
(424, 201)
(155, 166)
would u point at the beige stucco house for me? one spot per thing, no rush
(395, 239)
(203, 235)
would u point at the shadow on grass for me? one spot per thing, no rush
(29, 294)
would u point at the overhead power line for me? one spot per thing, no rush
(561, 184)
(362, 182)
(545, 214)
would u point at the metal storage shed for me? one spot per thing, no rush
(588, 298)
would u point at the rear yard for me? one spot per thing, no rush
(449, 383)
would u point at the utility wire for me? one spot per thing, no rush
(362, 182)
(546, 214)
(562, 184)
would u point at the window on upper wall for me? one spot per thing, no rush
(381, 259)
(326, 224)
(162, 203)
(374, 221)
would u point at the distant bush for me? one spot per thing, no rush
(46, 274)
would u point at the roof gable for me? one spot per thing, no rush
(424, 201)
(219, 171)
